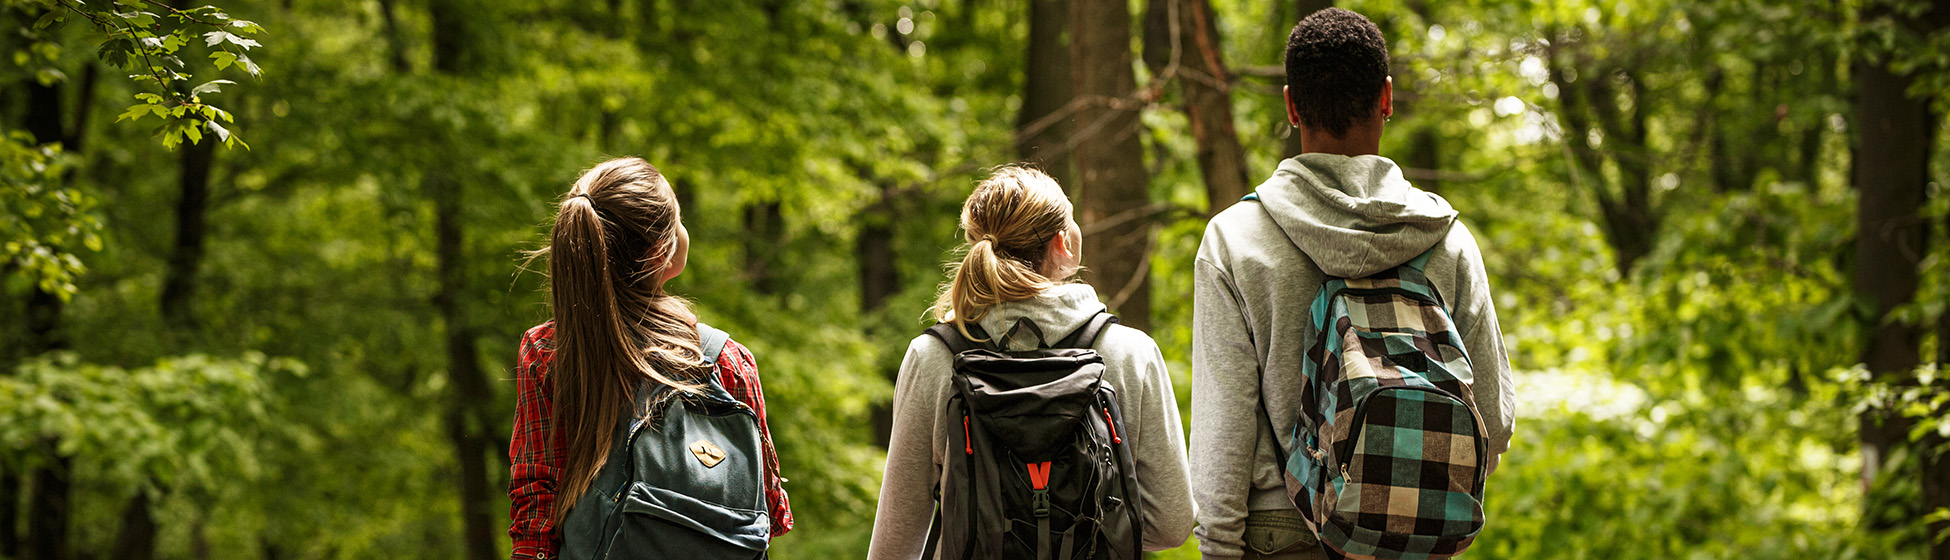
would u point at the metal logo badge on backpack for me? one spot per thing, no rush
(707, 453)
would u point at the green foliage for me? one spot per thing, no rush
(43, 222)
(1684, 409)
(188, 423)
(150, 46)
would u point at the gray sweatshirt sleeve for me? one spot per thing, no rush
(1475, 316)
(1160, 453)
(900, 525)
(1225, 409)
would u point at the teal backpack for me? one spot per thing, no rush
(1389, 453)
(686, 484)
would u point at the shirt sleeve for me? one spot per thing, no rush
(738, 372)
(913, 472)
(534, 457)
(1225, 412)
(1160, 451)
(1489, 363)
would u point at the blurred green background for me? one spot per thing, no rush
(1716, 230)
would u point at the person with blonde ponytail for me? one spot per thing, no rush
(1015, 293)
(621, 354)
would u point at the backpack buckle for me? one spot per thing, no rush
(1042, 503)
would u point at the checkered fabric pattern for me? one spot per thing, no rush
(1387, 458)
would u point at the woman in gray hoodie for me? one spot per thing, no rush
(1023, 244)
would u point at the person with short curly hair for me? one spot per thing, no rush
(1337, 210)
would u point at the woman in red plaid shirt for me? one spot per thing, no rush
(618, 237)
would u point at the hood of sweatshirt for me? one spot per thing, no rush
(1354, 216)
(1042, 320)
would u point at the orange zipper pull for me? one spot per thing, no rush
(1113, 427)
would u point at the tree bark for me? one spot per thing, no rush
(186, 255)
(51, 506)
(1207, 88)
(9, 510)
(1041, 133)
(1303, 8)
(48, 500)
(879, 280)
(1111, 184)
(1627, 214)
(467, 425)
(136, 540)
(1889, 175)
(764, 232)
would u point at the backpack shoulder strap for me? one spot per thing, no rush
(710, 343)
(952, 337)
(1086, 335)
(1250, 196)
(1421, 262)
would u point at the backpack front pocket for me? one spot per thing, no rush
(1411, 474)
(661, 524)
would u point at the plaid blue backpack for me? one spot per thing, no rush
(1389, 451)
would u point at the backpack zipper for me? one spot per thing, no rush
(1113, 426)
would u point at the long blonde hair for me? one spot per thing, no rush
(615, 232)
(1009, 222)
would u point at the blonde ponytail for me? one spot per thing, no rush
(1009, 221)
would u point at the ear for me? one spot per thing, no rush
(1059, 245)
(1388, 98)
(1293, 111)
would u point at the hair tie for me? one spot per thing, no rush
(582, 195)
(988, 238)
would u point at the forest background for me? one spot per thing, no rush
(262, 292)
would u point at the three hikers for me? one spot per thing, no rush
(1350, 388)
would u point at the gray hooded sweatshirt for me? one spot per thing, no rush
(1132, 364)
(1258, 270)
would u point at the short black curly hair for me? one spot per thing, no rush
(1336, 63)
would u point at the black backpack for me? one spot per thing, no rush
(1036, 468)
(686, 483)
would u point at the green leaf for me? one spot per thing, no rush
(212, 86)
(224, 59)
(49, 76)
(248, 65)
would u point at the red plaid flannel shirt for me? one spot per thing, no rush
(537, 458)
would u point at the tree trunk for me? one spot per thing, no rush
(47, 524)
(1304, 8)
(466, 422)
(465, 425)
(1207, 88)
(1424, 152)
(48, 501)
(136, 540)
(879, 280)
(179, 282)
(1041, 133)
(1889, 175)
(9, 509)
(395, 43)
(764, 232)
(1111, 185)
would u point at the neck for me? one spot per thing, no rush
(1361, 140)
